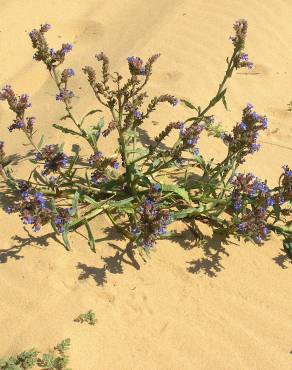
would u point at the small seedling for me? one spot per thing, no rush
(88, 317)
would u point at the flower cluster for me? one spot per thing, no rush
(240, 58)
(62, 219)
(54, 159)
(66, 74)
(240, 28)
(242, 61)
(253, 224)
(100, 163)
(48, 55)
(105, 66)
(251, 200)
(249, 189)
(65, 95)
(18, 105)
(34, 210)
(153, 219)
(245, 133)
(190, 136)
(137, 68)
(32, 207)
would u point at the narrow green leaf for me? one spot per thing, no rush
(176, 189)
(89, 114)
(188, 104)
(61, 147)
(65, 238)
(91, 240)
(91, 201)
(120, 203)
(40, 144)
(224, 102)
(80, 221)
(218, 98)
(186, 213)
(66, 130)
(75, 203)
(64, 117)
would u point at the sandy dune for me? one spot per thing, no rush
(189, 307)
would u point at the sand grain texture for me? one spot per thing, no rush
(182, 310)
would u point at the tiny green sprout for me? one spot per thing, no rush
(88, 317)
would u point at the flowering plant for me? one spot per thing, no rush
(127, 186)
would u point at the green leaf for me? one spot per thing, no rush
(80, 221)
(131, 133)
(92, 137)
(186, 213)
(61, 147)
(65, 238)
(91, 201)
(64, 117)
(217, 98)
(66, 130)
(141, 151)
(99, 125)
(75, 203)
(91, 240)
(89, 114)
(11, 182)
(287, 243)
(224, 102)
(120, 203)
(41, 142)
(64, 345)
(188, 104)
(176, 189)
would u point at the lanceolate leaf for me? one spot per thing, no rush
(40, 144)
(91, 240)
(176, 189)
(66, 130)
(188, 104)
(120, 203)
(65, 238)
(224, 102)
(89, 114)
(75, 203)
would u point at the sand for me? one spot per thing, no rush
(189, 307)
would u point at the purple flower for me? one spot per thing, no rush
(137, 114)
(242, 126)
(116, 165)
(66, 48)
(62, 219)
(67, 73)
(264, 122)
(64, 95)
(175, 102)
(255, 116)
(254, 147)
(136, 66)
(270, 202)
